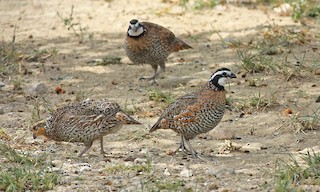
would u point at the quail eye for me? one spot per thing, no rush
(224, 74)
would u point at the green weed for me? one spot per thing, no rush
(198, 4)
(75, 26)
(130, 110)
(261, 102)
(83, 94)
(23, 172)
(258, 55)
(290, 176)
(304, 8)
(159, 96)
(137, 168)
(252, 61)
(163, 185)
(9, 57)
(301, 123)
(138, 136)
(17, 84)
(255, 102)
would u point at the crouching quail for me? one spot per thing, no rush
(149, 43)
(83, 122)
(197, 112)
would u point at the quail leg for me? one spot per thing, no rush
(101, 145)
(155, 75)
(85, 149)
(193, 152)
(182, 146)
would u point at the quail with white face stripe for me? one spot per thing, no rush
(197, 112)
(149, 43)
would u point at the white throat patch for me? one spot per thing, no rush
(131, 32)
(222, 81)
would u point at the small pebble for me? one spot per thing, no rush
(166, 172)
(2, 84)
(140, 160)
(37, 89)
(57, 163)
(186, 172)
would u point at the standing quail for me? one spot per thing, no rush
(83, 122)
(149, 43)
(197, 112)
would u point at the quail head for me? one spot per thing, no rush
(149, 43)
(83, 122)
(197, 112)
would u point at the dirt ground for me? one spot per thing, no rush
(241, 152)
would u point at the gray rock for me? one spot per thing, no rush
(220, 172)
(140, 160)
(221, 134)
(37, 89)
(2, 84)
(57, 163)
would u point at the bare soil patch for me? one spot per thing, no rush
(242, 151)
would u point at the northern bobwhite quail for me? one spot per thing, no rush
(197, 112)
(83, 122)
(149, 43)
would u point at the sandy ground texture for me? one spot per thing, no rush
(241, 152)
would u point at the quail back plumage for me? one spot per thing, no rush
(197, 112)
(84, 122)
(149, 43)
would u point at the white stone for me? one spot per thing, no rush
(140, 160)
(85, 168)
(166, 172)
(57, 163)
(186, 172)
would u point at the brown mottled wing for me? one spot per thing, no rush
(99, 107)
(84, 113)
(177, 109)
(154, 30)
(168, 39)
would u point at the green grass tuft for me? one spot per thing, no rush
(291, 176)
(301, 123)
(159, 96)
(82, 33)
(22, 172)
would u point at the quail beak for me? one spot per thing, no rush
(34, 135)
(233, 75)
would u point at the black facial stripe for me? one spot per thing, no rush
(215, 80)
